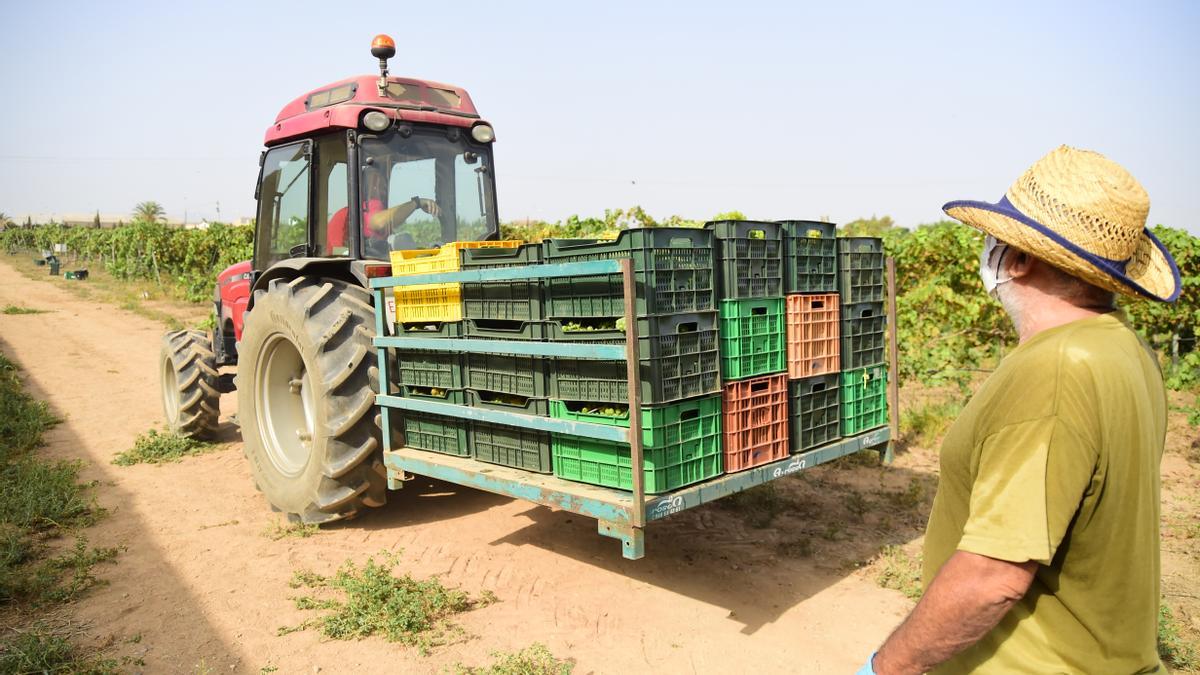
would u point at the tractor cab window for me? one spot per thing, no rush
(331, 234)
(283, 205)
(430, 188)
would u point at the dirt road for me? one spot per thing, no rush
(206, 591)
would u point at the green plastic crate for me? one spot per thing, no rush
(447, 435)
(815, 411)
(753, 338)
(661, 425)
(516, 374)
(514, 301)
(454, 396)
(673, 273)
(507, 445)
(503, 329)
(749, 259)
(864, 335)
(507, 402)
(431, 329)
(680, 359)
(864, 400)
(810, 256)
(430, 369)
(860, 270)
(690, 451)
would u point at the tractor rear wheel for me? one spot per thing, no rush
(188, 380)
(306, 399)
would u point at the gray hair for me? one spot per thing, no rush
(1077, 291)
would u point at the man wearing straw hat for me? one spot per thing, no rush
(1042, 550)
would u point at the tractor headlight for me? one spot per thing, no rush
(376, 121)
(483, 133)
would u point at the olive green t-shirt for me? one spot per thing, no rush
(1056, 459)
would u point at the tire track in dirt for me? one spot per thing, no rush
(200, 583)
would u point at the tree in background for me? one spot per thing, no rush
(730, 215)
(149, 212)
(867, 227)
(5, 221)
(96, 220)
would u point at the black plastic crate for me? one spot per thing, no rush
(814, 411)
(498, 400)
(447, 435)
(864, 335)
(810, 256)
(517, 300)
(860, 270)
(673, 266)
(511, 446)
(494, 329)
(749, 259)
(430, 369)
(516, 374)
(680, 358)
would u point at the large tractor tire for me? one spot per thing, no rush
(188, 377)
(306, 394)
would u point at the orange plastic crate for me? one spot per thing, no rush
(755, 422)
(813, 335)
(434, 302)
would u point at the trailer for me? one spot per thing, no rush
(620, 514)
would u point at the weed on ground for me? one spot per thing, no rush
(154, 447)
(40, 500)
(278, 529)
(758, 505)
(1173, 648)
(533, 660)
(17, 309)
(144, 298)
(371, 600)
(899, 571)
(922, 425)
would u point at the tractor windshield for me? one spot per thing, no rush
(431, 188)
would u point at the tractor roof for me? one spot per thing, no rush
(341, 104)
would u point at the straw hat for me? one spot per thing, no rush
(1086, 215)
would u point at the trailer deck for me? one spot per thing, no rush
(617, 512)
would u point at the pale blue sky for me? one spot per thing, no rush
(781, 110)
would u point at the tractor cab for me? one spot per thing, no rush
(369, 165)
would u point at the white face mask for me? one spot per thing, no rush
(989, 264)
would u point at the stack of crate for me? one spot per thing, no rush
(434, 310)
(679, 358)
(864, 323)
(519, 383)
(749, 262)
(813, 330)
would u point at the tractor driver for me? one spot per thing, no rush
(378, 221)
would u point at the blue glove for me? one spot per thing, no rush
(867, 669)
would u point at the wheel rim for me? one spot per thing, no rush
(285, 405)
(170, 391)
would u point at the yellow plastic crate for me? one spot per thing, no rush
(434, 302)
(444, 259)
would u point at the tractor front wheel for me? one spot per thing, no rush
(188, 381)
(306, 399)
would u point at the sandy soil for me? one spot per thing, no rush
(206, 591)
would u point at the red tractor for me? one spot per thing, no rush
(351, 172)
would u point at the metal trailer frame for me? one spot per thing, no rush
(620, 514)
